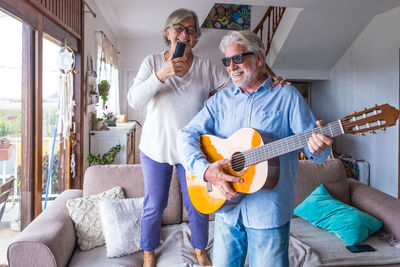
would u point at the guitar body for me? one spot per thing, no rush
(255, 176)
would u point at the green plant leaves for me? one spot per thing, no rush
(106, 158)
(104, 88)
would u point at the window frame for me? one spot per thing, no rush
(38, 21)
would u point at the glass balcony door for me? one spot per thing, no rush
(11, 112)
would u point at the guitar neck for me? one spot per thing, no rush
(289, 144)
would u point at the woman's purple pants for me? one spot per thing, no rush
(157, 179)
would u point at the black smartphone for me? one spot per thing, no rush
(179, 49)
(360, 248)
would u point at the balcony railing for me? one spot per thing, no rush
(10, 167)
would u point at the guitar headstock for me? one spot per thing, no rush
(368, 120)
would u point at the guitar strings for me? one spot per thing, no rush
(255, 154)
(274, 148)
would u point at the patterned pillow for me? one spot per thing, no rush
(84, 213)
(121, 225)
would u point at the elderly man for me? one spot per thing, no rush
(260, 221)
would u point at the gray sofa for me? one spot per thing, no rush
(50, 239)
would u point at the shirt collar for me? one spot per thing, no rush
(267, 85)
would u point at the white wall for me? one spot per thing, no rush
(367, 74)
(285, 26)
(91, 25)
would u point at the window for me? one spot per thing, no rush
(51, 153)
(107, 69)
(29, 95)
(11, 113)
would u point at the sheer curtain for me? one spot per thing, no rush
(107, 69)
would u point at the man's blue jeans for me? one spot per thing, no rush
(267, 247)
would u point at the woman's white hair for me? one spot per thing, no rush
(176, 17)
(247, 38)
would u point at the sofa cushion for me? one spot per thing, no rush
(310, 246)
(348, 223)
(129, 177)
(175, 250)
(121, 225)
(331, 173)
(98, 257)
(84, 213)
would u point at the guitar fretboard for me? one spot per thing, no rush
(289, 144)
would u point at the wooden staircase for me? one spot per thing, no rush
(270, 21)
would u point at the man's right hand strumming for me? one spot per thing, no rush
(215, 175)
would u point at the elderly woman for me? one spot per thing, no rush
(173, 90)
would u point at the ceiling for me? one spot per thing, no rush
(321, 34)
(132, 18)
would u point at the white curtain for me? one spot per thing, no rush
(107, 69)
(113, 99)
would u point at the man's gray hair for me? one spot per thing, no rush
(247, 38)
(176, 17)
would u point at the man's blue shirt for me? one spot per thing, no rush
(276, 112)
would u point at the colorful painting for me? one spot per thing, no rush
(228, 17)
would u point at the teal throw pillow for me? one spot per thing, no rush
(346, 222)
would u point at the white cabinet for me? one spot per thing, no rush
(123, 134)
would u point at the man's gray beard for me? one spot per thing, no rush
(248, 80)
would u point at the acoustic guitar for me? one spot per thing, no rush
(257, 163)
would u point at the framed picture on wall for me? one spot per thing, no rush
(228, 17)
(305, 90)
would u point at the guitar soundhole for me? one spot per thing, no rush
(237, 162)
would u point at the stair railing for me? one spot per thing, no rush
(271, 19)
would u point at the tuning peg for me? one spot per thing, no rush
(383, 129)
(361, 134)
(372, 132)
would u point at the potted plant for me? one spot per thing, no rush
(109, 118)
(6, 149)
(98, 124)
(104, 88)
(94, 96)
(106, 158)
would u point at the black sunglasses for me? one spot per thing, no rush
(237, 59)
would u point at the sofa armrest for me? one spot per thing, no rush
(378, 204)
(49, 240)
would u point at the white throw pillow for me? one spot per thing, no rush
(121, 225)
(84, 213)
